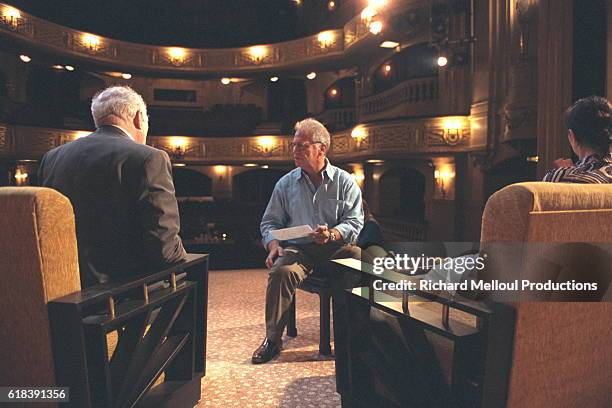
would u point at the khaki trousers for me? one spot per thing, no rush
(289, 271)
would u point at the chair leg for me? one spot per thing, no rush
(324, 323)
(291, 327)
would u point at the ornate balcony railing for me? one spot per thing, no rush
(414, 97)
(378, 140)
(73, 43)
(338, 119)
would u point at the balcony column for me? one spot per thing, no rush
(554, 79)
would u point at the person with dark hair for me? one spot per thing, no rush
(370, 239)
(589, 123)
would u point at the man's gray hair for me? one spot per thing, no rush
(121, 101)
(316, 129)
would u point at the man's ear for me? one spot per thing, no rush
(138, 120)
(324, 149)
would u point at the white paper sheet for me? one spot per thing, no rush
(292, 233)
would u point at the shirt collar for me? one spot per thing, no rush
(329, 170)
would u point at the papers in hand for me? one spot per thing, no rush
(291, 233)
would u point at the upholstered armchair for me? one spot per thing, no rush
(109, 343)
(561, 354)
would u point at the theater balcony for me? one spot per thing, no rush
(446, 113)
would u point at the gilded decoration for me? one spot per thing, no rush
(329, 43)
(408, 136)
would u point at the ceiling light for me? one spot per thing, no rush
(69, 68)
(376, 27)
(312, 75)
(179, 165)
(274, 79)
(375, 161)
(265, 166)
(333, 92)
(331, 5)
(250, 165)
(25, 58)
(225, 81)
(58, 66)
(387, 68)
(389, 44)
(442, 61)
(126, 76)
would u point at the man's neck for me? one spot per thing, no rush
(316, 175)
(585, 152)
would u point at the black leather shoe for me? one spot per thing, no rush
(266, 352)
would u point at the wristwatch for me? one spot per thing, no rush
(332, 236)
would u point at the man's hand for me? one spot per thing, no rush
(321, 235)
(275, 250)
(563, 163)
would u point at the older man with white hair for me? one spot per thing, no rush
(126, 214)
(316, 194)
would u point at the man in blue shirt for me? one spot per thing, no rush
(316, 194)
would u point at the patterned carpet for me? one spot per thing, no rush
(299, 377)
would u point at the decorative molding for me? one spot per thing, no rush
(402, 137)
(58, 39)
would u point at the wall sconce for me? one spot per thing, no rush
(453, 131)
(220, 171)
(266, 144)
(333, 93)
(12, 16)
(358, 174)
(368, 13)
(359, 134)
(92, 42)
(326, 39)
(179, 147)
(21, 176)
(375, 27)
(445, 176)
(177, 55)
(258, 53)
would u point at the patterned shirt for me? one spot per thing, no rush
(593, 169)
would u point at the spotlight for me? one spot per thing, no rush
(58, 66)
(312, 75)
(69, 68)
(442, 61)
(126, 76)
(225, 81)
(274, 79)
(25, 58)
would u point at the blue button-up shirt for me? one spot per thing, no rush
(296, 201)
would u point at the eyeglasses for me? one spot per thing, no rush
(302, 146)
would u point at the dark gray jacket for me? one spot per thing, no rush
(127, 218)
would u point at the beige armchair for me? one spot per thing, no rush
(114, 344)
(561, 353)
(38, 263)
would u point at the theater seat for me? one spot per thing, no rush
(561, 354)
(38, 263)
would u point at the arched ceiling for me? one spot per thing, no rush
(189, 23)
